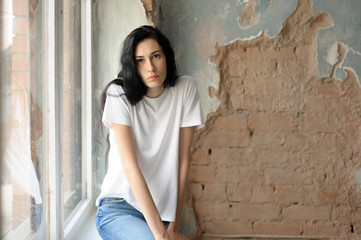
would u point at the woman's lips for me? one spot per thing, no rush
(152, 78)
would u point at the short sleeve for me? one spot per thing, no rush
(192, 111)
(116, 108)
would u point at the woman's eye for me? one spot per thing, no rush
(139, 60)
(156, 56)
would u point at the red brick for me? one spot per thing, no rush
(255, 211)
(316, 142)
(19, 44)
(227, 227)
(215, 191)
(275, 158)
(229, 157)
(296, 141)
(20, 25)
(201, 156)
(239, 193)
(280, 102)
(286, 53)
(19, 81)
(311, 213)
(256, 85)
(20, 7)
(20, 62)
(240, 102)
(328, 88)
(324, 142)
(275, 86)
(327, 196)
(267, 122)
(316, 104)
(212, 210)
(231, 122)
(236, 55)
(307, 194)
(266, 141)
(202, 173)
(286, 194)
(253, 52)
(277, 228)
(263, 194)
(319, 229)
(227, 139)
(240, 175)
(281, 53)
(340, 109)
(276, 176)
(318, 123)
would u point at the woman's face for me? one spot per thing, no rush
(151, 65)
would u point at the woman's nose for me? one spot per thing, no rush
(150, 66)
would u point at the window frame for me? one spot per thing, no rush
(60, 228)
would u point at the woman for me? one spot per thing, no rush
(151, 114)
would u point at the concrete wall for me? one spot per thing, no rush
(279, 154)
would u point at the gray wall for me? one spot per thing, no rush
(112, 21)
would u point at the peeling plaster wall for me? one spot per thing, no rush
(194, 27)
(346, 29)
(280, 151)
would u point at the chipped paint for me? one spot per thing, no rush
(249, 16)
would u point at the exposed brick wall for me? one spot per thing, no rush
(279, 155)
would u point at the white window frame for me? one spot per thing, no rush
(59, 228)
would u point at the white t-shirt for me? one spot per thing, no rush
(155, 124)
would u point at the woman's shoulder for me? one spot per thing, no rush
(115, 90)
(185, 81)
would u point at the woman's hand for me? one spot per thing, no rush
(164, 236)
(176, 236)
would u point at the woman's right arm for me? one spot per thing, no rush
(125, 142)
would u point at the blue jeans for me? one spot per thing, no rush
(118, 220)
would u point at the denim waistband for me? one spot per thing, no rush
(111, 200)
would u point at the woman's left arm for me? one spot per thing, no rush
(185, 143)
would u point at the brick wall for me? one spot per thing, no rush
(21, 201)
(279, 155)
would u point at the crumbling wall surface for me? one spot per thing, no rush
(279, 156)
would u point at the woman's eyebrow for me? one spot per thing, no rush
(156, 51)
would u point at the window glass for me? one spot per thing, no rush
(22, 171)
(71, 107)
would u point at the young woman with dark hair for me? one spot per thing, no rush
(151, 114)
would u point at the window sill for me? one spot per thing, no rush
(88, 230)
